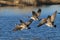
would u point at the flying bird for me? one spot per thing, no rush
(49, 21)
(23, 25)
(35, 15)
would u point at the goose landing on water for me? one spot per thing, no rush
(49, 21)
(23, 25)
(36, 15)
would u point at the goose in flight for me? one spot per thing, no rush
(35, 15)
(23, 25)
(49, 21)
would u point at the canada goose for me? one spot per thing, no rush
(23, 25)
(49, 21)
(46, 21)
(36, 15)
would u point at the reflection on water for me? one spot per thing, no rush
(9, 16)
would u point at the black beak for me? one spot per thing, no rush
(38, 25)
(29, 27)
(55, 26)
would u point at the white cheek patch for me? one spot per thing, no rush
(34, 18)
(49, 25)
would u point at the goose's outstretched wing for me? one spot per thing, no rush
(17, 28)
(29, 22)
(53, 16)
(39, 10)
(34, 13)
(21, 21)
(43, 21)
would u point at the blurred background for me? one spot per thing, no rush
(11, 11)
(27, 2)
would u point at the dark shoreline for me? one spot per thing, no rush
(24, 5)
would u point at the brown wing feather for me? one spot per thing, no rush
(53, 16)
(29, 22)
(43, 21)
(33, 13)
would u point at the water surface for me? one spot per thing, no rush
(9, 16)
